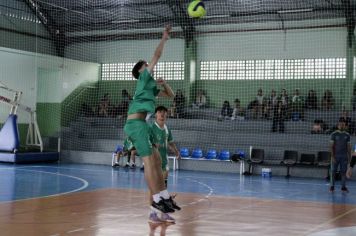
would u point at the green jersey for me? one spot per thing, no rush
(146, 92)
(162, 137)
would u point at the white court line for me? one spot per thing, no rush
(84, 186)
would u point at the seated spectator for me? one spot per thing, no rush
(104, 106)
(327, 102)
(319, 127)
(177, 109)
(297, 106)
(353, 100)
(271, 103)
(278, 117)
(200, 101)
(226, 111)
(86, 110)
(123, 106)
(312, 100)
(253, 107)
(238, 112)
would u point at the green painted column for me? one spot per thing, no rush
(349, 83)
(191, 70)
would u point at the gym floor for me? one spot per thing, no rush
(65, 199)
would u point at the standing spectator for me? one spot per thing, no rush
(200, 101)
(226, 111)
(353, 101)
(312, 100)
(340, 147)
(297, 106)
(271, 103)
(261, 103)
(285, 99)
(327, 102)
(178, 104)
(278, 117)
(104, 105)
(238, 112)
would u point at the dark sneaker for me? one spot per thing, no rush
(171, 203)
(331, 189)
(162, 207)
(133, 166)
(344, 189)
(153, 218)
(167, 218)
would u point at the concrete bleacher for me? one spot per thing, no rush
(101, 135)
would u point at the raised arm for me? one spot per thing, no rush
(167, 90)
(158, 52)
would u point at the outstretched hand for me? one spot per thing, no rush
(160, 81)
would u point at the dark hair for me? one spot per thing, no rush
(161, 108)
(137, 67)
(342, 120)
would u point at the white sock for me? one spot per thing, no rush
(156, 197)
(164, 194)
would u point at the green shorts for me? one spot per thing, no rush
(140, 134)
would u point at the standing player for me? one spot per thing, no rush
(138, 130)
(340, 154)
(352, 164)
(162, 137)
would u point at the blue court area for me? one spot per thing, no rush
(36, 181)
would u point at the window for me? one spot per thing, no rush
(331, 68)
(123, 71)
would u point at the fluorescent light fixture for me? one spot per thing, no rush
(295, 11)
(215, 16)
(124, 21)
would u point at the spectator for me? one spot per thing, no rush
(285, 99)
(123, 106)
(271, 103)
(177, 109)
(319, 127)
(238, 112)
(86, 110)
(297, 106)
(226, 111)
(353, 101)
(200, 101)
(278, 117)
(104, 105)
(327, 102)
(312, 100)
(261, 103)
(349, 124)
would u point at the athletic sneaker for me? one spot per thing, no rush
(127, 164)
(162, 206)
(344, 189)
(153, 218)
(167, 218)
(171, 203)
(331, 189)
(133, 166)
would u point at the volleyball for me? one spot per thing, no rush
(196, 9)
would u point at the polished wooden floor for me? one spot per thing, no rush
(125, 212)
(88, 200)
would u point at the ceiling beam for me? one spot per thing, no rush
(56, 34)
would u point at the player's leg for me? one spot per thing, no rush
(343, 169)
(164, 192)
(333, 168)
(133, 159)
(351, 166)
(139, 133)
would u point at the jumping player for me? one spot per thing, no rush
(138, 130)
